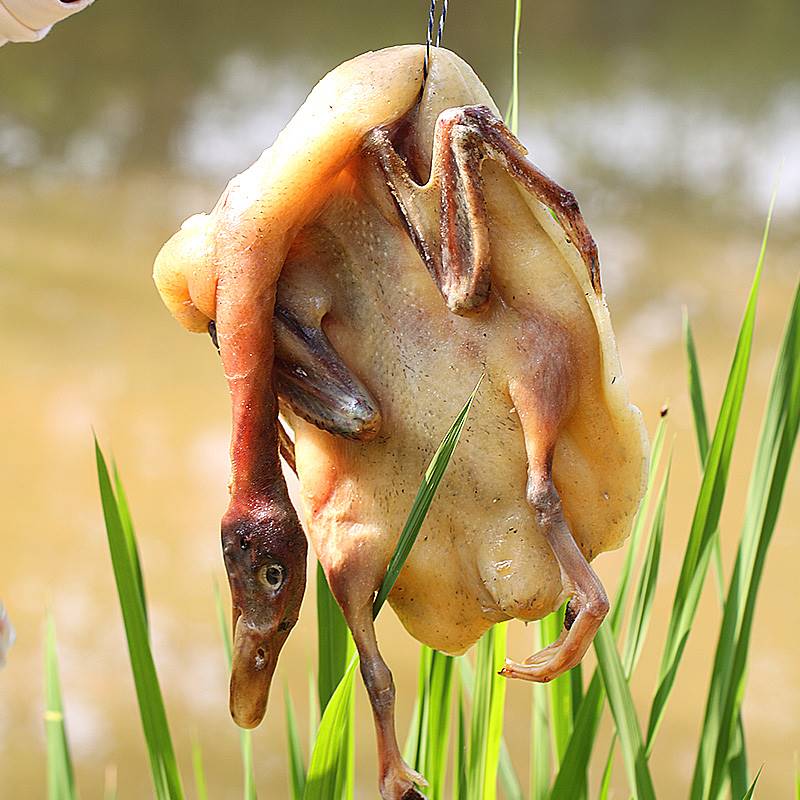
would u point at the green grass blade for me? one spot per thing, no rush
(512, 114)
(166, 777)
(245, 736)
(738, 763)
(624, 712)
(701, 431)
(509, 782)
(776, 446)
(313, 710)
(638, 529)
(130, 534)
(796, 781)
(328, 769)
(570, 778)
(422, 502)
(60, 773)
(648, 579)
(414, 752)
(559, 691)
(642, 605)
(696, 390)
(708, 508)
(199, 770)
(460, 759)
(428, 743)
(439, 696)
(334, 643)
(737, 766)
(297, 769)
(508, 776)
(749, 793)
(541, 765)
(605, 783)
(486, 728)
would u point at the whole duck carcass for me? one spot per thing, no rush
(393, 245)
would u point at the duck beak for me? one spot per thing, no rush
(255, 655)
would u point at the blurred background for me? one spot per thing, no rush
(670, 121)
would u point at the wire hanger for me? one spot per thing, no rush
(429, 36)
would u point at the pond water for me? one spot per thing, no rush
(669, 121)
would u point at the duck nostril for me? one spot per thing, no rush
(261, 658)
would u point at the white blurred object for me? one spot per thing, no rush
(7, 635)
(31, 20)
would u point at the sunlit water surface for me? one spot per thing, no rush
(669, 123)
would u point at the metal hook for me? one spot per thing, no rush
(429, 36)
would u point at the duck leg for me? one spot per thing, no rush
(541, 413)
(351, 588)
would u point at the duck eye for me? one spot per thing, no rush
(271, 576)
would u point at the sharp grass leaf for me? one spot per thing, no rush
(60, 773)
(428, 743)
(512, 114)
(605, 783)
(701, 431)
(198, 770)
(767, 483)
(541, 765)
(422, 502)
(508, 776)
(437, 730)
(334, 643)
(313, 710)
(570, 778)
(486, 727)
(328, 769)
(460, 758)
(638, 528)
(414, 752)
(696, 389)
(749, 793)
(509, 781)
(297, 769)
(738, 761)
(796, 782)
(648, 579)
(642, 604)
(576, 689)
(130, 534)
(559, 691)
(737, 764)
(166, 777)
(624, 712)
(708, 507)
